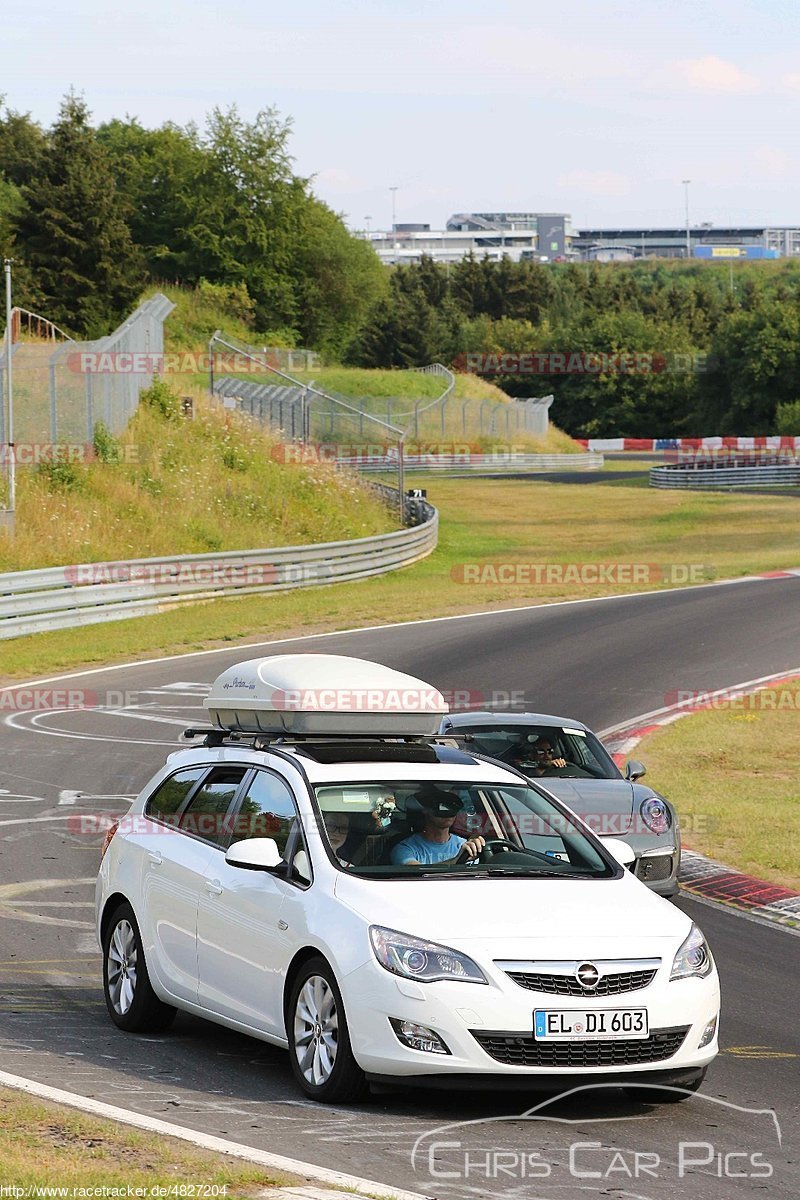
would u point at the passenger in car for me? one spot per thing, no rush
(337, 827)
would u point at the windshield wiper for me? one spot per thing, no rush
(525, 872)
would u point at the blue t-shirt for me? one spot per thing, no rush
(417, 848)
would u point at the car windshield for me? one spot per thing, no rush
(418, 829)
(544, 751)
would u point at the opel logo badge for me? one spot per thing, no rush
(588, 976)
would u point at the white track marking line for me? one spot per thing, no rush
(474, 616)
(275, 1162)
(33, 727)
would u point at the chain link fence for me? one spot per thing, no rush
(301, 410)
(60, 394)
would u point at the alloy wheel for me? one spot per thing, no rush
(316, 1030)
(122, 962)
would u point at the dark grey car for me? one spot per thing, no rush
(589, 781)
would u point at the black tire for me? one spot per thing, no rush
(325, 1041)
(131, 1002)
(650, 1094)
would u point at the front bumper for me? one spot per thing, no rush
(500, 1015)
(658, 869)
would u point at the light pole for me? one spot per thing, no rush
(369, 228)
(393, 190)
(12, 482)
(686, 183)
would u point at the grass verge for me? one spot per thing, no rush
(732, 774)
(482, 521)
(47, 1145)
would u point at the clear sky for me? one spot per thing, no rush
(599, 108)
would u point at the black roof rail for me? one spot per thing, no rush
(214, 736)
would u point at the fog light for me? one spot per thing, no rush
(708, 1033)
(418, 1037)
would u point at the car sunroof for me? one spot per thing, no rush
(344, 751)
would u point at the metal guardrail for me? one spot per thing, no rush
(685, 475)
(490, 463)
(66, 597)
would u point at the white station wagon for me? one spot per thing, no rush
(323, 873)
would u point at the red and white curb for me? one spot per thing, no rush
(775, 443)
(702, 877)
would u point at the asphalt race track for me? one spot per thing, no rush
(601, 662)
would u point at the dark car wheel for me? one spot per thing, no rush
(132, 1004)
(319, 1043)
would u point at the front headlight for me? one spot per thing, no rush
(694, 957)
(656, 814)
(414, 958)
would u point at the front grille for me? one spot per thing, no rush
(568, 985)
(655, 869)
(516, 1051)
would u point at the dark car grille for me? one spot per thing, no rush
(516, 1051)
(568, 985)
(654, 869)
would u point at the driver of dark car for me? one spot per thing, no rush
(435, 843)
(542, 754)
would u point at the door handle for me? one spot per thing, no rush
(155, 858)
(213, 887)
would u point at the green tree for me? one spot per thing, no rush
(72, 234)
(22, 144)
(157, 173)
(338, 279)
(755, 368)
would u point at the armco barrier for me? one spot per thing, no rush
(66, 597)
(686, 475)
(489, 463)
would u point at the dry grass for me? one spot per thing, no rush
(732, 774)
(186, 487)
(43, 1144)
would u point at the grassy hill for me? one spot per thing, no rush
(388, 394)
(176, 486)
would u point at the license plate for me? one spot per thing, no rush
(589, 1025)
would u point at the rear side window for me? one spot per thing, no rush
(266, 811)
(169, 796)
(206, 814)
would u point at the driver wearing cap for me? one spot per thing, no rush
(434, 843)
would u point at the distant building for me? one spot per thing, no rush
(707, 241)
(540, 237)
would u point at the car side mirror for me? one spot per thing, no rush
(634, 770)
(255, 854)
(301, 868)
(620, 850)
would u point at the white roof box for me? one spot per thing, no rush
(326, 694)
